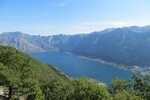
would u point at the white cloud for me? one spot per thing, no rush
(88, 27)
(61, 3)
(64, 3)
(112, 23)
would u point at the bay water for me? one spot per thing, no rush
(74, 66)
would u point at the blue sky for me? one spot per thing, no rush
(45, 17)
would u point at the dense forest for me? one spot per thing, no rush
(25, 78)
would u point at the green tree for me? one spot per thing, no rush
(16, 72)
(125, 95)
(77, 89)
(58, 90)
(119, 84)
(89, 89)
(142, 85)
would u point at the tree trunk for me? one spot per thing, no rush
(10, 93)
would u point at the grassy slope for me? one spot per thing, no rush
(47, 72)
(42, 71)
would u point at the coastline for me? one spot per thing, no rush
(134, 69)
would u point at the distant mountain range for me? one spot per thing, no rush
(128, 45)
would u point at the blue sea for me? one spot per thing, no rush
(74, 66)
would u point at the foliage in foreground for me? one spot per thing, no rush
(140, 86)
(23, 76)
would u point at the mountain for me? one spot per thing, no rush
(25, 42)
(128, 46)
(122, 45)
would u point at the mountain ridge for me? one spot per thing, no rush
(128, 46)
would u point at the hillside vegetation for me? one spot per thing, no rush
(22, 76)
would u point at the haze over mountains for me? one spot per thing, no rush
(128, 45)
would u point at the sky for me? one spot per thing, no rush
(46, 17)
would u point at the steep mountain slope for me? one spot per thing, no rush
(120, 45)
(42, 71)
(25, 42)
(22, 75)
(128, 45)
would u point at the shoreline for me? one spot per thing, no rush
(134, 69)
